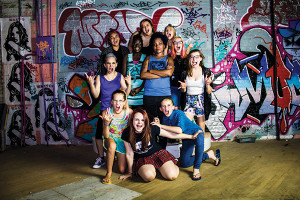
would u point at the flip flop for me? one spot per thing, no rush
(218, 156)
(106, 183)
(194, 177)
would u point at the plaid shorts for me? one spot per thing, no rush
(157, 159)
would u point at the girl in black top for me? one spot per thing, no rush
(140, 144)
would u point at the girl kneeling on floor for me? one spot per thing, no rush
(141, 146)
(115, 120)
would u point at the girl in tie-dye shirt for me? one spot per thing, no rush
(115, 120)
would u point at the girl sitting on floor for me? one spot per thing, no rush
(139, 140)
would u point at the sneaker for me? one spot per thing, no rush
(99, 162)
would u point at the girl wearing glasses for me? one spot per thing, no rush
(115, 120)
(197, 85)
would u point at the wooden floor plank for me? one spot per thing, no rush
(261, 170)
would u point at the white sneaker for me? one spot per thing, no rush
(99, 162)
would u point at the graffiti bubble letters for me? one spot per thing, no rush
(87, 28)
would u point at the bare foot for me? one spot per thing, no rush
(196, 175)
(211, 155)
(106, 179)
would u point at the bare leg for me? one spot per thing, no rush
(121, 162)
(111, 149)
(190, 116)
(99, 144)
(169, 170)
(147, 172)
(211, 155)
(201, 122)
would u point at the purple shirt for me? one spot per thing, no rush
(107, 88)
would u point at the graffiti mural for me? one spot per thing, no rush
(234, 35)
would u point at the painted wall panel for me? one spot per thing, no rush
(234, 35)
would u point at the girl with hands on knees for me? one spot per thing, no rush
(105, 85)
(141, 147)
(115, 120)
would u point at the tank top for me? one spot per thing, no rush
(117, 126)
(195, 87)
(158, 86)
(135, 71)
(107, 88)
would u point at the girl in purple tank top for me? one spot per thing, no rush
(105, 86)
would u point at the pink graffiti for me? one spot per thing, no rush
(87, 28)
(284, 101)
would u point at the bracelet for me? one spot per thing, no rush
(105, 123)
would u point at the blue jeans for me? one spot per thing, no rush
(186, 157)
(176, 96)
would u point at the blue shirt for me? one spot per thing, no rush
(158, 86)
(178, 118)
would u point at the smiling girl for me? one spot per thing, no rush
(198, 81)
(141, 146)
(146, 31)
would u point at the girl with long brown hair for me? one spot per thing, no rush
(141, 146)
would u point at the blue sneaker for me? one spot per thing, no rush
(99, 162)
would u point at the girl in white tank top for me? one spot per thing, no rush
(194, 86)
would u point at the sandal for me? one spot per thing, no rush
(218, 156)
(195, 177)
(106, 183)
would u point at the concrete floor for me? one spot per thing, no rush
(266, 169)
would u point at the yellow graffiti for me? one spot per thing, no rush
(43, 47)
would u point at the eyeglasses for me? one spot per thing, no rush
(192, 57)
(176, 43)
(138, 44)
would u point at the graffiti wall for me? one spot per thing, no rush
(234, 35)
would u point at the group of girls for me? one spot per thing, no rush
(155, 66)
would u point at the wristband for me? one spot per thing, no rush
(105, 123)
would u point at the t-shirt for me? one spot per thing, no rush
(153, 146)
(178, 118)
